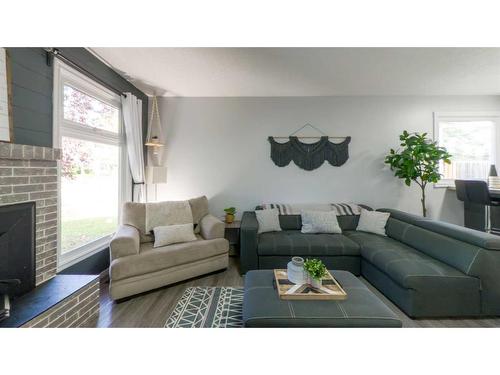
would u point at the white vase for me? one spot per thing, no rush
(295, 271)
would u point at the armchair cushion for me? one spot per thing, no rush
(211, 227)
(199, 209)
(125, 242)
(151, 259)
(167, 213)
(134, 214)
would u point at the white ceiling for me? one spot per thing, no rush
(308, 71)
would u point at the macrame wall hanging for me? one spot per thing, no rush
(309, 156)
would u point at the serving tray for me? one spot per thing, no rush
(330, 288)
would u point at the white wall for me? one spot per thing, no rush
(218, 147)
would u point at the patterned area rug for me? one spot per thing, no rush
(208, 307)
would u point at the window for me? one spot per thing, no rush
(94, 170)
(471, 139)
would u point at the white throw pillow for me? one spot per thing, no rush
(373, 222)
(169, 234)
(320, 222)
(269, 220)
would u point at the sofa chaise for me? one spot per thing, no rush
(138, 267)
(428, 268)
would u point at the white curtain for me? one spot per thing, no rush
(132, 118)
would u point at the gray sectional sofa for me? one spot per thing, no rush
(426, 267)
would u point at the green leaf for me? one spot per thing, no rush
(315, 268)
(418, 159)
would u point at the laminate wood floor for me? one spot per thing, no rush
(153, 308)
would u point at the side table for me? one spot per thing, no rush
(232, 234)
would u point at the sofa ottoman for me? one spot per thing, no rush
(263, 308)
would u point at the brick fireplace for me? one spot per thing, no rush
(30, 174)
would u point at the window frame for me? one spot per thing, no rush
(467, 116)
(65, 75)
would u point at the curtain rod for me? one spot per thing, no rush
(56, 53)
(323, 134)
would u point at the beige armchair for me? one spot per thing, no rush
(137, 267)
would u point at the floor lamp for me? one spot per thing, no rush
(155, 176)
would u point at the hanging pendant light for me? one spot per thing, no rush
(153, 139)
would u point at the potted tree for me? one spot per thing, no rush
(316, 270)
(417, 161)
(230, 211)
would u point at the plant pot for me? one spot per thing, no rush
(315, 283)
(229, 218)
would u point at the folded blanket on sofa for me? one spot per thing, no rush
(341, 209)
(346, 209)
(167, 213)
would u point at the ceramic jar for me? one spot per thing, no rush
(295, 271)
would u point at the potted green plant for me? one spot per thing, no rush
(417, 161)
(315, 270)
(230, 211)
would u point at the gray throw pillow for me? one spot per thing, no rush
(320, 222)
(373, 222)
(268, 220)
